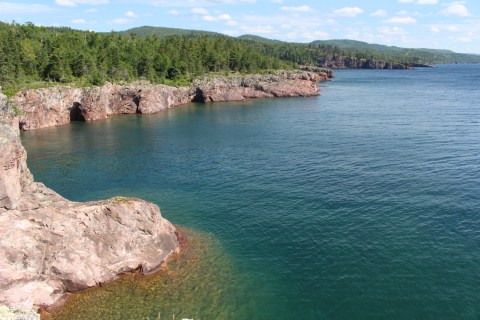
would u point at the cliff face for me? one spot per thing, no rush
(239, 88)
(49, 245)
(49, 107)
(59, 105)
(342, 62)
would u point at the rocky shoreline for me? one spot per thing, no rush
(51, 246)
(41, 108)
(342, 62)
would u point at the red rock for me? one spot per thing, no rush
(50, 245)
(48, 107)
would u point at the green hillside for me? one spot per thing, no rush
(33, 56)
(37, 56)
(302, 53)
(163, 32)
(384, 52)
(252, 37)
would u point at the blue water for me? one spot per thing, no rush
(362, 203)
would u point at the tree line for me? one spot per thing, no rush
(38, 56)
(30, 54)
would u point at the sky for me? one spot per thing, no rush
(439, 24)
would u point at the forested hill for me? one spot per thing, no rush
(30, 55)
(344, 47)
(387, 53)
(38, 56)
(163, 32)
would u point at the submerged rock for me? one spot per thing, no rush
(10, 313)
(50, 245)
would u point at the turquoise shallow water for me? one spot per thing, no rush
(362, 203)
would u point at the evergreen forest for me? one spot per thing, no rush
(34, 56)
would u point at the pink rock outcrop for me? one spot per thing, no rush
(40, 108)
(239, 88)
(50, 245)
(47, 107)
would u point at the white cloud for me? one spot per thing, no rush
(173, 12)
(277, 1)
(131, 14)
(393, 31)
(220, 17)
(10, 8)
(91, 10)
(195, 3)
(67, 3)
(78, 21)
(404, 20)
(303, 8)
(457, 9)
(199, 11)
(379, 13)
(445, 27)
(224, 17)
(209, 18)
(348, 11)
(419, 1)
(73, 3)
(232, 23)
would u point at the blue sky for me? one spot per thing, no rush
(441, 24)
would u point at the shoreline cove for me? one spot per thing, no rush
(47, 257)
(47, 107)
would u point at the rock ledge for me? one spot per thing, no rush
(41, 108)
(50, 245)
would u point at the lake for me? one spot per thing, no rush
(361, 203)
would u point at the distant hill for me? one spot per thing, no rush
(345, 47)
(393, 52)
(252, 37)
(162, 32)
(33, 55)
(345, 43)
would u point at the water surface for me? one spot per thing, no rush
(361, 203)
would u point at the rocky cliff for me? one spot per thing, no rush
(50, 246)
(54, 106)
(342, 62)
(48, 107)
(239, 88)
